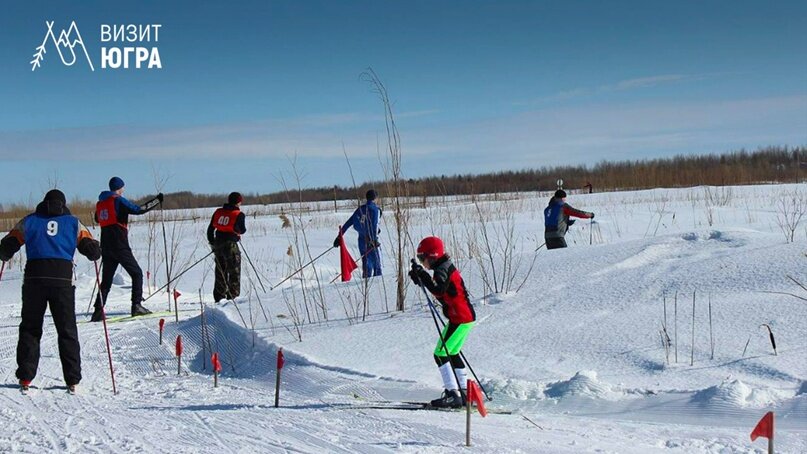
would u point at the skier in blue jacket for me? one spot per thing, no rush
(365, 221)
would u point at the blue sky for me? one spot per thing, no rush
(477, 86)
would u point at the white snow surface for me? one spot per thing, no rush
(574, 354)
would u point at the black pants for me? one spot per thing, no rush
(62, 300)
(123, 257)
(555, 243)
(228, 271)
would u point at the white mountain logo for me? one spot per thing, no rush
(66, 46)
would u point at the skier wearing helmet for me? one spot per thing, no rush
(449, 289)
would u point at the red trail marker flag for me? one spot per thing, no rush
(475, 396)
(176, 295)
(346, 262)
(764, 429)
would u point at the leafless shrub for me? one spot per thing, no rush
(790, 209)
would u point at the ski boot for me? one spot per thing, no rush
(72, 389)
(97, 314)
(450, 399)
(25, 385)
(138, 309)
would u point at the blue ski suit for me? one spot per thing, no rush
(365, 221)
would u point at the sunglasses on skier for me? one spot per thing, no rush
(421, 257)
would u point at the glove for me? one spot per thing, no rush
(336, 242)
(212, 247)
(160, 197)
(592, 215)
(415, 273)
(571, 222)
(375, 243)
(3, 256)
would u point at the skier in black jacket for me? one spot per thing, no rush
(51, 236)
(112, 214)
(223, 233)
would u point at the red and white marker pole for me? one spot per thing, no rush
(179, 355)
(473, 396)
(216, 368)
(280, 362)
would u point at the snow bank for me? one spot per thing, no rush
(738, 394)
(584, 384)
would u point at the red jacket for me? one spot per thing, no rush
(449, 288)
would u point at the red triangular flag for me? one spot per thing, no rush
(216, 363)
(346, 262)
(764, 427)
(176, 295)
(179, 345)
(475, 396)
(280, 359)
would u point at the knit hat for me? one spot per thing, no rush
(234, 198)
(371, 194)
(55, 195)
(560, 194)
(115, 183)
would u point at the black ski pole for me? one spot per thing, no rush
(257, 275)
(167, 263)
(437, 316)
(462, 355)
(178, 276)
(301, 268)
(442, 340)
(94, 287)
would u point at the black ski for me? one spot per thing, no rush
(414, 406)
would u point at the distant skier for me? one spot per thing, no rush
(112, 214)
(449, 289)
(557, 222)
(365, 221)
(51, 236)
(223, 233)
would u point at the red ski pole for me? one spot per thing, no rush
(106, 331)
(179, 354)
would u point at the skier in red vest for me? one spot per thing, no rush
(449, 289)
(112, 214)
(223, 233)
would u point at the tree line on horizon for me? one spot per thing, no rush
(773, 164)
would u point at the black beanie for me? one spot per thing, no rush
(55, 195)
(234, 198)
(371, 194)
(560, 194)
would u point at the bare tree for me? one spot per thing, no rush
(396, 185)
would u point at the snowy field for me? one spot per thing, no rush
(568, 341)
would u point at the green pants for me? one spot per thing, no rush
(454, 336)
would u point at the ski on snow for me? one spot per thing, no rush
(414, 406)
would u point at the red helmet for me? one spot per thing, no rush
(431, 247)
